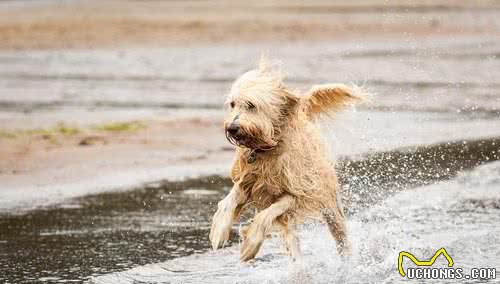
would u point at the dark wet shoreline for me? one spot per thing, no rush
(388, 172)
(108, 232)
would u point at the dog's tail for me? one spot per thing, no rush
(330, 98)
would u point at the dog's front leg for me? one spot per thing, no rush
(225, 216)
(262, 225)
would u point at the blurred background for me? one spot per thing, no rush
(112, 152)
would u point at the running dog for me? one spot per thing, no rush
(282, 167)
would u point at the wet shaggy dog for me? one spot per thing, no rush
(282, 167)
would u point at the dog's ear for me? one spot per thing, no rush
(291, 103)
(329, 98)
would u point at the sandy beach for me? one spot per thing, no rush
(84, 64)
(97, 24)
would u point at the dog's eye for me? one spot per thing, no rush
(250, 105)
(231, 104)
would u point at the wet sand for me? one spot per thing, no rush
(459, 214)
(41, 169)
(107, 232)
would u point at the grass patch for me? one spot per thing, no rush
(121, 126)
(66, 130)
(46, 133)
(61, 128)
(7, 134)
(52, 133)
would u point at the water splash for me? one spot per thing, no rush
(420, 220)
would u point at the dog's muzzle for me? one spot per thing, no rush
(233, 128)
(233, 134)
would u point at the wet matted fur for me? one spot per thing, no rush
(282, 167)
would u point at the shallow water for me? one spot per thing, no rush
(38, 88)
(461, 215)
(108, 232)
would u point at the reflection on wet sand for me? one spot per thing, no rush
(113, 231)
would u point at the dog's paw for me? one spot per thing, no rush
(221, 228)
(344, 250)
(254, 236)
(250, 247)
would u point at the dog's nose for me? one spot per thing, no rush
(233, 128)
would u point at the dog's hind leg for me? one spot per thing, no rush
(290, 240)
(262, 225)
(336, 224)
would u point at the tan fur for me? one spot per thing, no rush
(331, 98)
(291, 178)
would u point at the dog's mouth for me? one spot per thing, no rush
(242, 140)
(239, 140)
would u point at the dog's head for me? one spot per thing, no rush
(259, 106)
